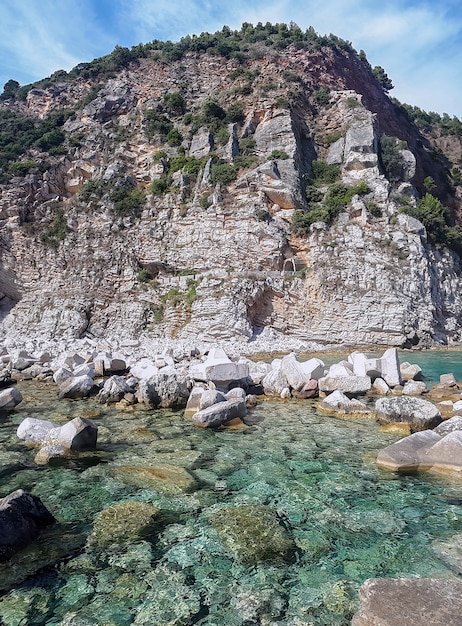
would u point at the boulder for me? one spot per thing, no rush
(380, 387)
(258, 371)
(337, 403)
(274, 382)
(9, 398)
(76, 387)
(253, 534)
(446, 408)
(113, 390)
(220, 414)
(22, 516)
(414, 388)
(338, 370)
(35, 432)
(61, 374)
(390, 368)
(78, 434)
(446, 454)
(194, 400)
(457, 407)
(47, 453)
(236, 392)
(299, 373)
(409, 372)
(309, 390)
(408, 453)
(418, 413)
(351, 385)
(363, 366)
(449, 426)
(220, 370)
(409, 602)
(168, 388)
(143, 369)
(210, 397)
(448, 380)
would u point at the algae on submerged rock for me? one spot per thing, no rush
(123, 523)
(253, 533)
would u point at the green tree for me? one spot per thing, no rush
(382, 78)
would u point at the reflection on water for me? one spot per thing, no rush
(347, 520)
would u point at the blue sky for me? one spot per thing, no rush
(418, 42)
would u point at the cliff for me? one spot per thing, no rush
(180, 199)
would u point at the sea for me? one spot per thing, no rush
(335, 519)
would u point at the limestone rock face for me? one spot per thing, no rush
(414, 602)
(216, 257)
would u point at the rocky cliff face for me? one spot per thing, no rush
(208, 258)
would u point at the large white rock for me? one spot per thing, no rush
(35, 431)
(417, 412)
(354, 385)
(219, 369)
(340, 369)
(168, 388)
(363, 366)
(220, 414)
(449, 426)
(446, 454)
(299, 373)
(274, 383)
(408, 453)
(76, 387)
(414, 388)
(113, 390)
(380, 387)
(78, 434)
(337, 403)
(9, 398)
(390, 368)
(409, 372)
(144, 368)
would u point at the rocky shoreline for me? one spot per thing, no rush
(217, 391)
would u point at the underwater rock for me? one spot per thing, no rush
(123, 523)
(253, 533)
(418, 413)
(409, 601)
(9, 398)
(45, 454)
(164, 478)
(450, 551)
(22, 516)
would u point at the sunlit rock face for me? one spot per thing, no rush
(210, 254)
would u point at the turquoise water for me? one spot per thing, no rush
(344, 519)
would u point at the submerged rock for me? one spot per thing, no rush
(123, 523)
(22, 516)
(165, 478)
(253, 533)
(409, 602)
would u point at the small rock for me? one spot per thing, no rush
(414, 388)
(221, 413)
(9, 398)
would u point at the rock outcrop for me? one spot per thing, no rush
(91, 249)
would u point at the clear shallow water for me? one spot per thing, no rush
(348, 520)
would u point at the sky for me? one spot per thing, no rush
(417, 42)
